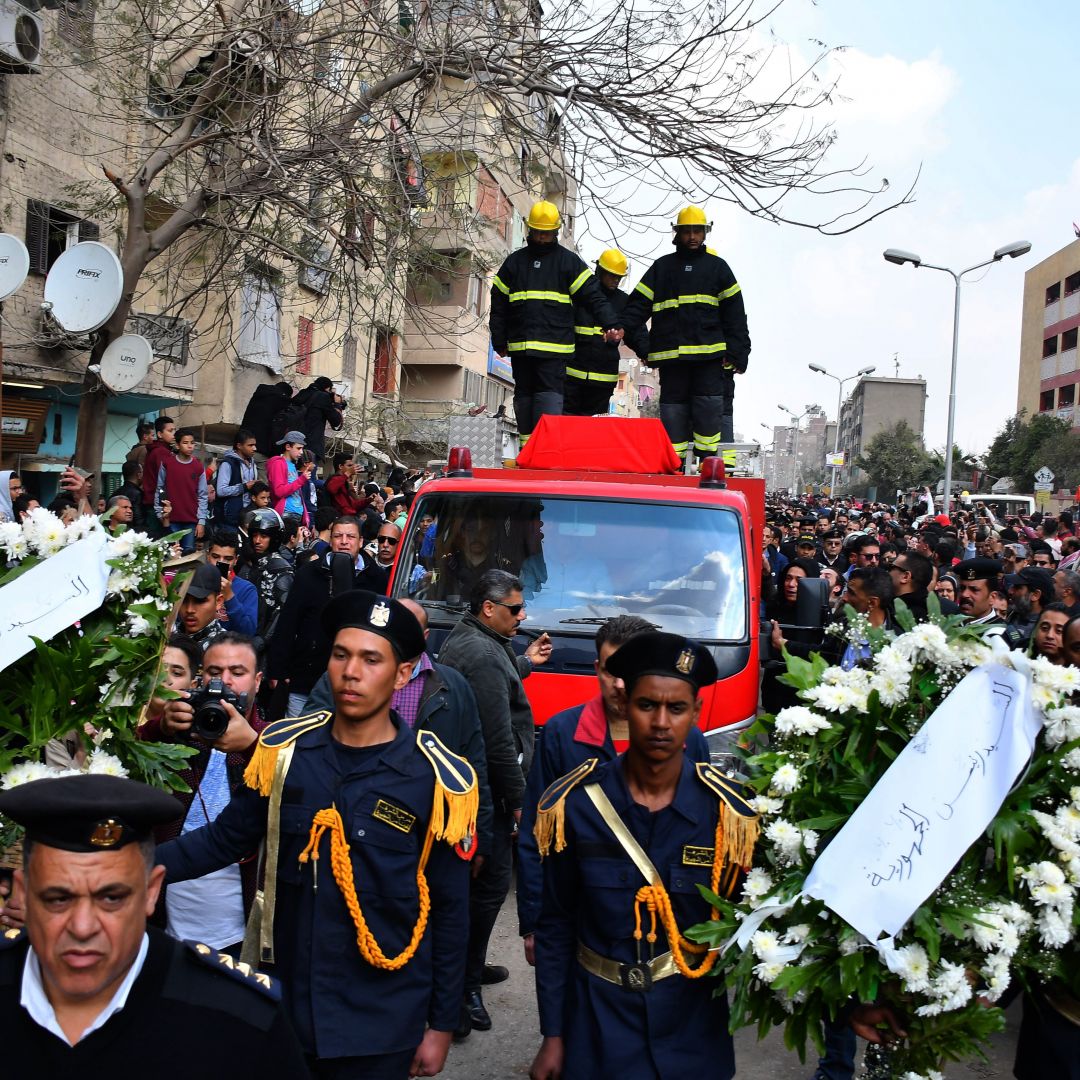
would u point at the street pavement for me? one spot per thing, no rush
(505, 1052)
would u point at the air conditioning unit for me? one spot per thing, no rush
(21, 38)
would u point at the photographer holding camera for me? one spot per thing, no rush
(219, 716)
(323, 405)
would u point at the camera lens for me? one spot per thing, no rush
(211, 721)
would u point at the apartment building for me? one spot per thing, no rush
(1048, 376)
(874, 404)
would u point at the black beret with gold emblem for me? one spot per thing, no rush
(657, 653)
(88, 812)
(363, 610)
(977, 570)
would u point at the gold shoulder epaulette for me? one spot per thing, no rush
(226, 965)
(259, 775)
(457, 794)
(551, 809)
(738, 819)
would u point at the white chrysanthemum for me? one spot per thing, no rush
(786, 840)
(139, 625)
(121, 547)
(1043, 873)
(1053, 895)
(757, 886)
(890, 659)
(26, 772)
(1071, 761)
(892, 689)
(1054, 929)
(836, 697)
(767, 971)
(120, 582)
(799, 720)
(797, 934)
(45, 532)
(1060, 679)
(810, 841)
(82, 527)
(912, 965)
(949, 989)
(102, 763)
(852, 945)
(971, 653)
(1061, 725)
(926, 641)
(765, 805)
(996, 975)
(786, 779)
(765, 944)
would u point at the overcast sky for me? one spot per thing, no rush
(979, 95)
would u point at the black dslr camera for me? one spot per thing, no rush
(211, 720)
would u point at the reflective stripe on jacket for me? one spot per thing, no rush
(533, 297)
(696, 307)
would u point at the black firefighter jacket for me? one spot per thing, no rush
(696, 307)
(592, 354)
(532, 302)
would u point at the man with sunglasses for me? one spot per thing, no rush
(864, 552)
(480, 647)
(386, 545)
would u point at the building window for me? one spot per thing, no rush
(348, 358)
(475, 301)
(50, 232)
(75, 23)
(305, 334)
(1046, 401)
(382, 380)
(1053, 293)
(1072, 283)
(472, 387)
(1067, 396)
(492, 204)
(1068, 339)
(259, 340)
(1050, 346)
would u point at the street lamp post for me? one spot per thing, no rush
(798, 420)
(839, 404)
(898, 257)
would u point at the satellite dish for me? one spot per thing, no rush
(125, 362)
(14, 264)
(84, 287)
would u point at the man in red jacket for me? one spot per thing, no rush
(165, 446)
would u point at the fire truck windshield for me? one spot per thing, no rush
(582, 561)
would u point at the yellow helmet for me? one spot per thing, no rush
(692, 215)
(544, 217)
(614, 262)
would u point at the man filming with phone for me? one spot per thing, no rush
(220, 717)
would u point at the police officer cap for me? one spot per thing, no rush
(834, 534)
(977, 569)
(1034, 577)
(88, 812)
(806, 540)
(656, 653)
(378, 614)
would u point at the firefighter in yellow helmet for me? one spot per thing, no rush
(533, 300)
(593, 373)
(697, 338)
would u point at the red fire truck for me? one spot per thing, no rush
(597, 522)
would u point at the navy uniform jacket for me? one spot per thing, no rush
(568, 739)
(340, 1005)
(677, 1029)
(188, 1014)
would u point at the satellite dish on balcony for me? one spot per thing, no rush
(14, 264)
(84, 286)
(125, 363)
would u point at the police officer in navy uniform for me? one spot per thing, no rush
(86, 989)
(597, 729)
(622, 992)
(978, 580)
(368, 830)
